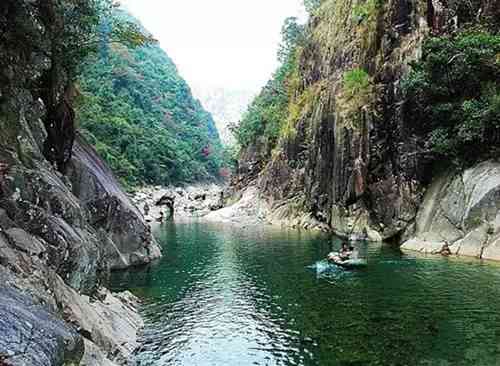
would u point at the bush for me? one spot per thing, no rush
(358, 93)
(356, 81)
(366, 10)
(453, 96)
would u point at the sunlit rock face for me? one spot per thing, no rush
(355, 163)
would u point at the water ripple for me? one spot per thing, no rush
(223, 296)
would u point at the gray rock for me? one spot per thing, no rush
(33, 336)
(129, 241)
(25, 242)
(463, 211)
(93, 356)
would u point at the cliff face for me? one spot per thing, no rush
(59, 234)
(351, 161)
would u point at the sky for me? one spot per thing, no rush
(219, 43)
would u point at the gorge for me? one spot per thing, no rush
(381, 126)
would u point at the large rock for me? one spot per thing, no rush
(251, 209)
(120, 224)
(462, 210)
(110, 323)
(46, 322)
(33, 336)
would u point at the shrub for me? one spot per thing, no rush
(365, 10)
(453, 96)
(358, 93)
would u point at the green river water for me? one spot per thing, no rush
(233, 296)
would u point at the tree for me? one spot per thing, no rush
(312, 5)
(292, 35)
(269, 111)
(453, 96)
(72, 31)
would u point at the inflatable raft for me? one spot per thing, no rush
(351, 263)
(348, 264)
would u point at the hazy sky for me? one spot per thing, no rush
(219, 43)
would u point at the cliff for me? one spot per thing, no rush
(61, 230)
(349, 157)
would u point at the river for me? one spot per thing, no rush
(234, 296)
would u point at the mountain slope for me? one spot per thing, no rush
(142, 118)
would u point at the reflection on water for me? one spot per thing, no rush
(225, 295)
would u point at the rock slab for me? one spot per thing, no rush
(462, 210)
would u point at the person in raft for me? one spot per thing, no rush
(343, 255)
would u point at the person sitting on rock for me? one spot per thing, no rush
(445, 250)
(353, 253)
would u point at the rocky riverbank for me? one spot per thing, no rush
(458, 209)
(59, 238)
(461, 210)
(188, 202)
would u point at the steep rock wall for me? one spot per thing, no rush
(351, 161)
(118, 222)
(351, 167)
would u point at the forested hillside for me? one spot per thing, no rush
(142, 118)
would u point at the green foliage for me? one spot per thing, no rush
(268, 111)
(312, 5)
(140, 115)
(365, 10)
(292, 34)
(358, 93)
(453, 96)
(267, 115)
(74, 28)
(356, 81)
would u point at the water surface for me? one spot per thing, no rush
(232, 296)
